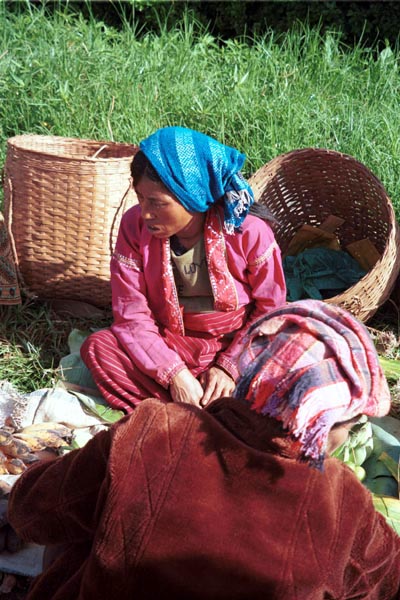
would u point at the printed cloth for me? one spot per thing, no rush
(199, 171)
(9, 288)
(311, 365)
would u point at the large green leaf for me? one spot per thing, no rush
(99, 407)
(379, 479)
(358, 446)
(390, 508)
(76, 339)
(392, 466)
(74, 371)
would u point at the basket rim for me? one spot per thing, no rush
(256, 179)
(13, 142)
(317, 150)
(323, 150)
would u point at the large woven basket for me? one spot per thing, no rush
(308, 185)
(63, 200)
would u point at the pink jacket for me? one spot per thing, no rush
(245, 270)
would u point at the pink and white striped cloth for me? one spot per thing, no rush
(310, 365)
(123, 385)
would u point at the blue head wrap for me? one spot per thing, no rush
(199, 171)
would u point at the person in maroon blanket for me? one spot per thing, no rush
(239, 500)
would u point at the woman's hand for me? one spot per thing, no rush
(216, 384)
(184, 387)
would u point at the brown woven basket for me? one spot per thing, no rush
(308, 185)
(63, 200)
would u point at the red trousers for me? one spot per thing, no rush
(122, 384)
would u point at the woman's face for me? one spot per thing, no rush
(163, 214)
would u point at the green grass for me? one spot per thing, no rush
(64, 75)
(29, 344)
(33, 338)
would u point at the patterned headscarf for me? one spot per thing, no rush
(310, 365)
(199, 171)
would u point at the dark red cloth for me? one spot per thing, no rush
(178, 502)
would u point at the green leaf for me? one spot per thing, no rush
(389, 508)
(73, 370)
(392, 466)
(358, 446)
(99, 407)
(76, 339)
(379, 478)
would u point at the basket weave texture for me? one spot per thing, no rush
(63, 200)
(306, 186)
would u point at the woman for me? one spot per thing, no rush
(191, 269)
(239, 500)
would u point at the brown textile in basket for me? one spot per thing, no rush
(9, 288)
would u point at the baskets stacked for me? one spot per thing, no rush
(64, 198)
(309, 185)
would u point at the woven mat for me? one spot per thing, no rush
(9, 288)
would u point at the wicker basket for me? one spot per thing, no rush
(63, 200)
(308, 185)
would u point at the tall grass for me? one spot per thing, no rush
(61, 74)
(29, 341)
(64, 75)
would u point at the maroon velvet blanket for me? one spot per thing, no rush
(178, 502)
